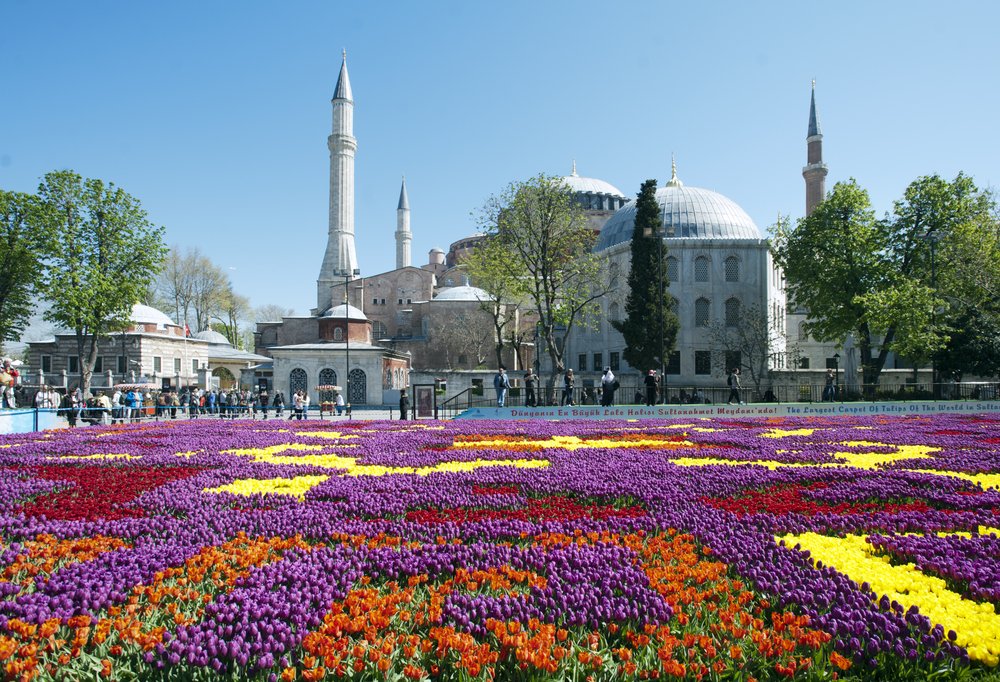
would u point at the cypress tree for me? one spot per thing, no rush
(646, 314)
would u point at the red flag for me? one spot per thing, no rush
(187, 330)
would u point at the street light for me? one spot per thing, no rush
(347, 275)
(648, 232)
(932, 237)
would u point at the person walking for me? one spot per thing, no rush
(609, 384)
(501, 383)
(829, 390)
(338, 402)
(404, 405)
(568, 385)
(529, 389)
(734, 386)
(650, 383)
(279, 404)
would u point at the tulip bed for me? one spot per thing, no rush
(842, 548)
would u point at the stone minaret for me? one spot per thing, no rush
(815, 170)
(403, 234)
(340, 254)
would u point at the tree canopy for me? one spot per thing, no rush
(23, 238)
(650, 325)
(549, 248)
(895, 283)
(101, 256)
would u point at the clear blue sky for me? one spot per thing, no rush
(215, 114)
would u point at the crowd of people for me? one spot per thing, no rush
(124, 404)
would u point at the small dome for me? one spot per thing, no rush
(463, 293)
(437, 249)
(581, 185)
(345, 311)
(686, 212)
(212, 336)
(144, 314)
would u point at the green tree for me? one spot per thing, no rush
(650, 325)
(550, 249)
(488, 266)
(874, 278)
(23, 235)
(102, 256)
(753, 340)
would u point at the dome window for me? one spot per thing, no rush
(673, 269)
(702, 308)
(338, 334)
(732, 269)
(701, 269)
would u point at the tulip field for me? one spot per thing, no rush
(843, 548)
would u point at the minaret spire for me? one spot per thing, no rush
(340, 256)
(815, 170)
(403, 234)
(573, 174)
(674, 180)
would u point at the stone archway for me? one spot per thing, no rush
(226, 377)
(297, 381)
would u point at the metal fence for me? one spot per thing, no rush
(632, 393)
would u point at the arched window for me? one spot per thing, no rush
(297, 381)
(613, 276)
(673, 269)
(359, 387)
(803, 331)
(702, 309)
(327, 377)
(733, 309)
(614, 312)
(379, 330)
(732, 269)
(675, 305)
(701, 269)
(338, 334)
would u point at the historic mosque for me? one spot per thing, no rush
(369, 333)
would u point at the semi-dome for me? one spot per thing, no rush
(211, 336)
(463, 293)
(686, 212)
(345, 311)
(579, 184)
(144, 314)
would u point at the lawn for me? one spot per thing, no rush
(719, 549)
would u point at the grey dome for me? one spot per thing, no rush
(144, 314)
(463, 293)
(686, 212)
(211, 336)
(581, 185)
(345, 311)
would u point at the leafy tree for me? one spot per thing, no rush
(102, 254)
(23, 235)
(974, 347)
(232, 310)
(650, 325)
(488, 266)
(549, 248)
(874, 278)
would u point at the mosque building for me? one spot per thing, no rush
(428, 317)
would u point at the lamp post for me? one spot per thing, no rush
(932, 237)
(347, 275)
(836, 377)
(648, 232)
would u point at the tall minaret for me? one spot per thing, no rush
(815, 170)
(403, 235)
(340, 254)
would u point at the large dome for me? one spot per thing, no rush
(580, 184)
(686, 212)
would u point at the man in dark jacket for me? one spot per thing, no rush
(651, 382)
(404, 405)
